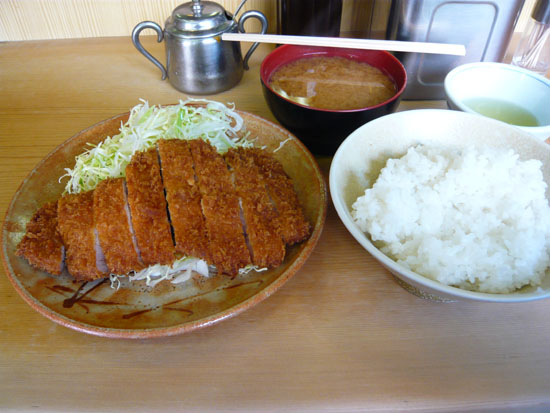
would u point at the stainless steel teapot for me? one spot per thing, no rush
(198, 61)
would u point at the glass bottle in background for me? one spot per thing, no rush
(533, 51)
(309, 17)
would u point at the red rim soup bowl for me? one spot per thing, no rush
(323, 130)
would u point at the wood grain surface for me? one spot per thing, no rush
(64, 19)
(341, 335)
(61, 19)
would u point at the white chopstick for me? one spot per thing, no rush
(372, 44)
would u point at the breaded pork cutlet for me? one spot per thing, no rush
(83, 255)
(112, 221)
(291, 222)
(232, 212)
(148, 209)
(220, 207)
(266, 244)
(42, 245)
(184, 198)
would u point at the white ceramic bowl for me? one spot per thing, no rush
(504, 83)
(363, 154)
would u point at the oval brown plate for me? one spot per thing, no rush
(135, 310)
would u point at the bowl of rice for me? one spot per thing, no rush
(454, 205)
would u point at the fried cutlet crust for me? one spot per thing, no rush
(184, 198)
(113, 227)
(76, 226)
(291, 222)
(266, 244)
(220, 207)
(148, 209)
(42, 245)
(256, 196)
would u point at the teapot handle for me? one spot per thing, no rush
(261, 17)
(135, 39)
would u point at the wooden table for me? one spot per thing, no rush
(341, 335)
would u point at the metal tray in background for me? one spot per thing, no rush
(485, 27)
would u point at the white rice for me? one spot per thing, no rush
(476, 219)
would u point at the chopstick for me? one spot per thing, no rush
(372, 44)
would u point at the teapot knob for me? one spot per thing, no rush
(197, 8)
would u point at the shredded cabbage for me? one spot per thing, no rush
(214, 122)
(251, 267)
(178, 272)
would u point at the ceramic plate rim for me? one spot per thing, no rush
(185, 327)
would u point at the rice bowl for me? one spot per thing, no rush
(364, 153)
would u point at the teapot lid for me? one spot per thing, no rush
(198, 18)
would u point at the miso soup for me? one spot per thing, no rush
(334, 83)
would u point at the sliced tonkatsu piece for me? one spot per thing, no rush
(148, 209)
(291, 222)
(266, 244)
(184, 198)
(83, 256)
(112, 221)
(42, 245)
(220, 207)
